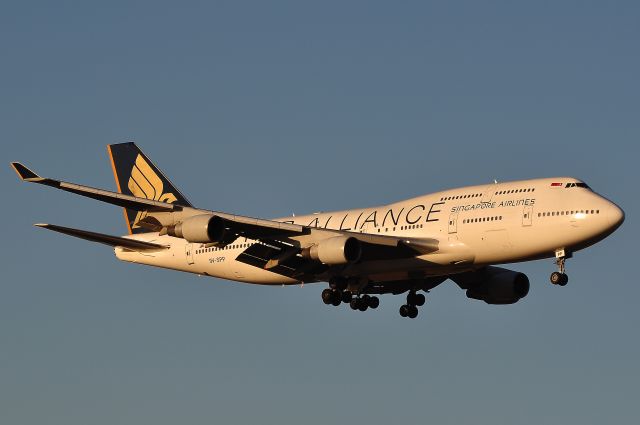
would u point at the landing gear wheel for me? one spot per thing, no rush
(564, 280)
(327, 296)
(336, 297)
(363, 303)
(354, 304)
(415, 299)
(346, 297)
(556, 278)
(410, 311)
(374, 302)
(413, 312)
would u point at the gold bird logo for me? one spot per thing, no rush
(145, 183)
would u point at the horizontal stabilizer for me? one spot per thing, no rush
(132, 244)
(126, 201)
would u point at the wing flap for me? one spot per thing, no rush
(281, 242)
(274, 256)
(132, 244)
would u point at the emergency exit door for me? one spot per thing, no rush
(453, 223)
(189, 252)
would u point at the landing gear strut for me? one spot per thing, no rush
(410, 309)
(560, 277)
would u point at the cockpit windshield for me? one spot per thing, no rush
(578, 184)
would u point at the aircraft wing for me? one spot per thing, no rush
(282, 244)
(126, 201)
(383, 246)
(132, 244)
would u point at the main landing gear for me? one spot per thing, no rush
(364, 302)
(560, 277)
(410, 309)
(337, 297)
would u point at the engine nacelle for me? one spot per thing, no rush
(336, 250)
(205, 228)
(495, 285)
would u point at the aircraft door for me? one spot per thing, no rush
(188, 249)
(487, 195)
(453, 223)
(527, 215)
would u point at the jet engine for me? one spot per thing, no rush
(334, 251)
(205, 228)
(494, 285)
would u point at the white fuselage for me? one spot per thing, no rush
(476, 226)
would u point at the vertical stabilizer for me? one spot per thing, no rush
(136, 175)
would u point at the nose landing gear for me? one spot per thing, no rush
(560, 277)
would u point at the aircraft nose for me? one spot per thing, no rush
(615, 215)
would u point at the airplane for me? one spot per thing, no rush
(410, 246)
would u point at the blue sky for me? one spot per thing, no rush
(270, 108)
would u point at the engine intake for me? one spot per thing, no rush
(494, 285)
(334, 251)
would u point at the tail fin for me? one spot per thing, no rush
(136, 175)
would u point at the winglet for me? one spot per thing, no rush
(24, 173)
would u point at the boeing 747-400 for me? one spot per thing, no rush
(408, 246)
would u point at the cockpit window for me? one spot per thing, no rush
(578, 184)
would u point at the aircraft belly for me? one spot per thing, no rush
(170, 258)
(405, 266)
(494, 246)
(250, 274)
